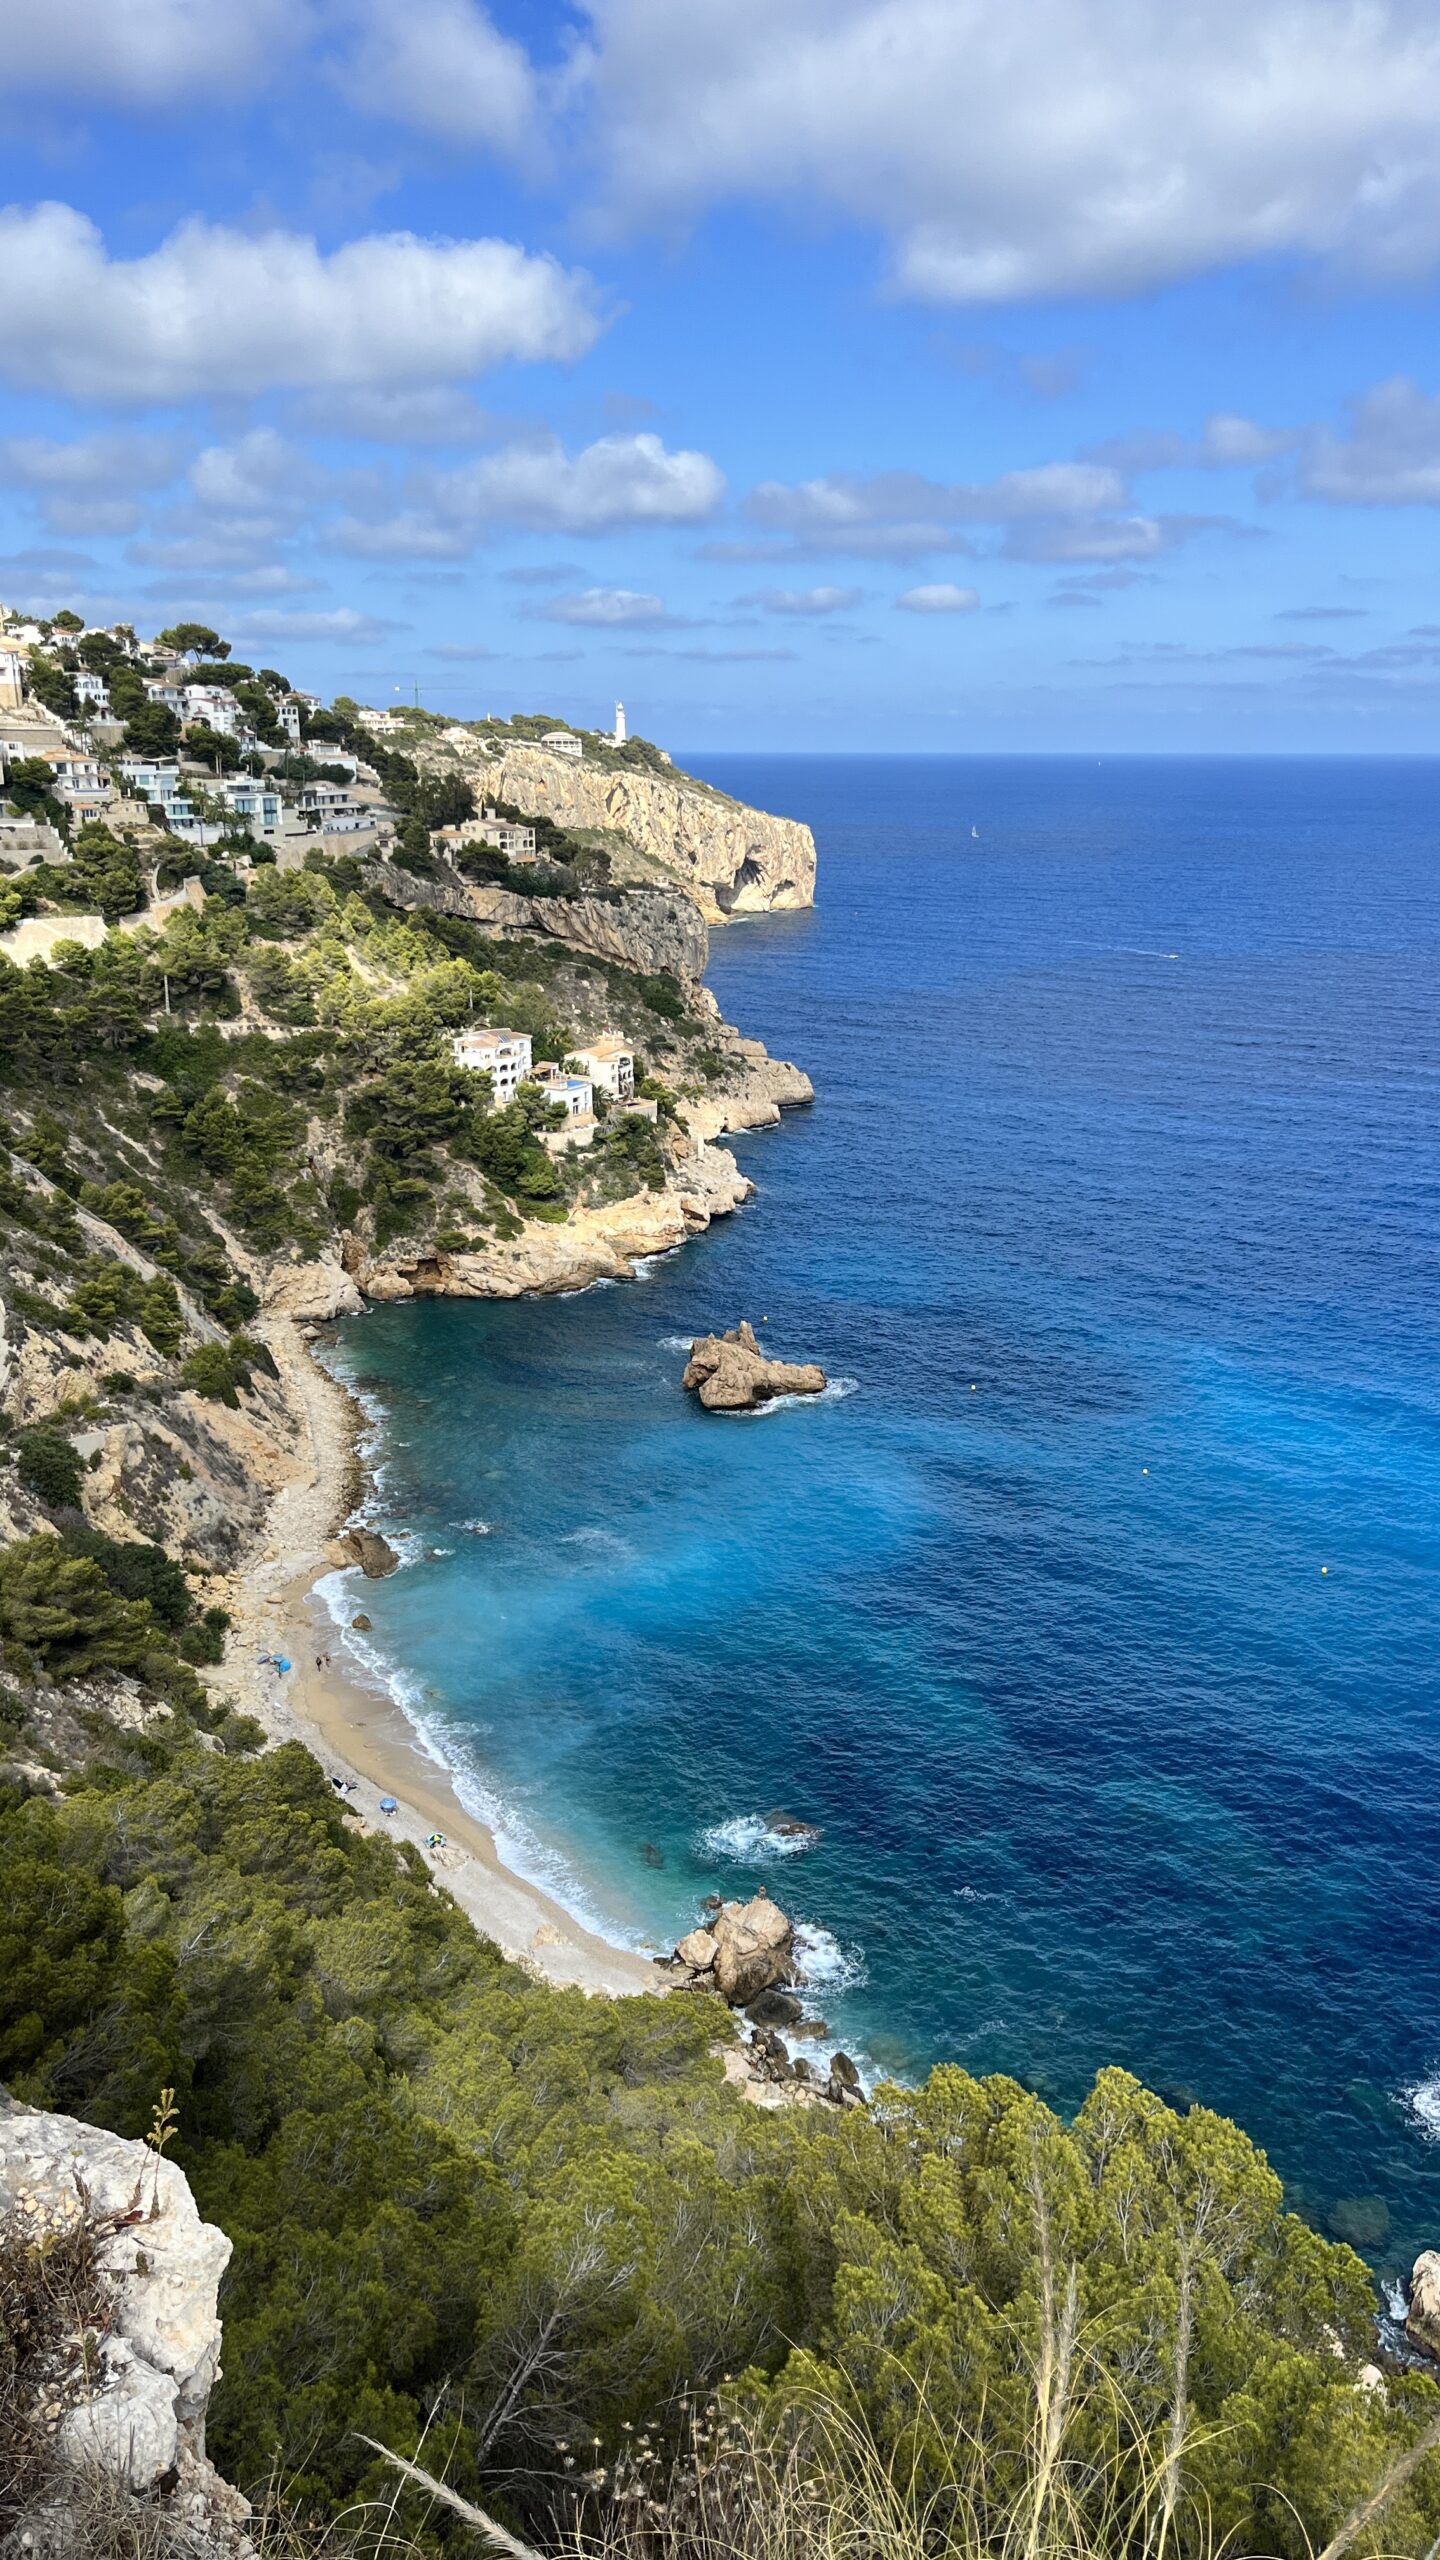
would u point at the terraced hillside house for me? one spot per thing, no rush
(504, 1056)
(610, 1065)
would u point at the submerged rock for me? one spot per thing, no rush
(731, 1374)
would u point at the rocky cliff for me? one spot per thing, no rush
(733, 860)
(650, 929)
(113, 2394)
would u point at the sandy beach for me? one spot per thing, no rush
(354, 1728)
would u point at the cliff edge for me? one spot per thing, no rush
(733, 860)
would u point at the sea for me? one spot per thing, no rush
(1092, 1617)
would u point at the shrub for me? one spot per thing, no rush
(49, 1467)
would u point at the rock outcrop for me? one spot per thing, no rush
(748, 1948)
(1422, 2317)
(731, 1374)
(650, 929)
(374, 1555)
(732, 860)
(753, 1095)
(138, 2414)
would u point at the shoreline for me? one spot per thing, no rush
(358, 1731)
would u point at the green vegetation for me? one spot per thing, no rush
(498, 2221)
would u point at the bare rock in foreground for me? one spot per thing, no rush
(138, 2417)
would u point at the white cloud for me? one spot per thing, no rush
(1050, 149)
(436, 414)
(620, 479)
(443, 68)
(89, 485)
(1225, 442)
(939, 599)
(537, 485)
(343, 623)
(214, 311)
(145, 53)
(900, 514)
(1090, 538)
(804, 602)
(253, 477)
(606, 608)
(1391, 456)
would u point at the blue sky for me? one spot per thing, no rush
(930, 374)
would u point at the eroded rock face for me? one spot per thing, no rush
(163, 2351)
(313, 1292)
(731, 1374)
(1422, 2319)
(733, 860)
(649, 929)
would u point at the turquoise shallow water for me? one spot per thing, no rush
(1126, 1118)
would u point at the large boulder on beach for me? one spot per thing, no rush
(1422, 2317)
(731, 1374)
(374, 1555)
(754, 1949)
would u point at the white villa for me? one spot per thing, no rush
(576, 1092)
(502, 1055)
(509, 835)
(564, 742)
(610, 1065)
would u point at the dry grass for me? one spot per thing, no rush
(54, 2311)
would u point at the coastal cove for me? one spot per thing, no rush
(1108, 1230)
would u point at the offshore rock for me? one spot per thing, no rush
(1422, 2319)
(754, 1944)
(731, 1374)
(145, 2418)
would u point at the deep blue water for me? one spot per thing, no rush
(1119, 1204)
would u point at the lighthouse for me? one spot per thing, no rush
(619, 737)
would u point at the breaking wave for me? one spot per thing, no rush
(748, 1836)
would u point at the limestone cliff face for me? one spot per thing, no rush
(734, 861)
(650, 929)
(137, 2415)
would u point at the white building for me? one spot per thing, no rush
(169, 696)
(150, 777)
(509, 836)
(91, 691)
(610, 1065)
(218, 708)
(502, 1055)
(80, 783)
(254, 802)
(564, 742)
(619, 738)
(576, 1092)
(12, 675)
(288, 712)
